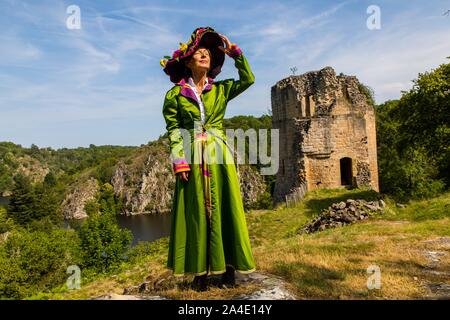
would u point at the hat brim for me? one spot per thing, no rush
(211, 40)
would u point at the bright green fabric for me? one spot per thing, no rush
(229, 242)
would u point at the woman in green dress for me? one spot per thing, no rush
(208, 233)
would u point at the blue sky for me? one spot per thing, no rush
(103, 84)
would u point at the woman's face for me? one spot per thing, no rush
(200, 60)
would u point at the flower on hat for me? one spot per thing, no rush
(176, 53)
(183, 47)
(163, 62)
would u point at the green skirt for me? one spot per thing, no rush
(208, 226)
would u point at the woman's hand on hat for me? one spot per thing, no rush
(227, 43)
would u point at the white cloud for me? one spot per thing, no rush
(389, 62)
(15, 50)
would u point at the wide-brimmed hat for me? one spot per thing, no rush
(204, 36)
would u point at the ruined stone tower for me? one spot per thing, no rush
(327, 133)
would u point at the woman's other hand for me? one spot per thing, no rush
(184, 175)
(227, 43)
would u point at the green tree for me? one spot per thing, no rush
(6, 224)
(103, 242)
(22, 203)
(31, 262)
(105, 170)
(50, 179)
(47, 203)
(425, 118)
(413, 137)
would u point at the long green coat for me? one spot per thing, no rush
(209, 229)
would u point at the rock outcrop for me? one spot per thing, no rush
(252, 185)
(80, 193)
(144, 182)
(25, 165)
(269, 287)
(437, 269)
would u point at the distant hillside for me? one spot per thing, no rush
(37, 162)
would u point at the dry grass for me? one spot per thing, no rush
(333, 264)
(329, 267)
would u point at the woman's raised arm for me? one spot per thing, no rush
(246, 77)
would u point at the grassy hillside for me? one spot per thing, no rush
(326, 265)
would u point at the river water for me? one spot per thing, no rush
(145, 227)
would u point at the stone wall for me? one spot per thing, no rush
(327, 133)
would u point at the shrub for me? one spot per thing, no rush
(264, 201)
(103, 242)
(36, 261)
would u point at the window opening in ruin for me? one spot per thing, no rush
(309, 108)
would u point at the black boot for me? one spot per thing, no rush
(199, 283)
(228, 278)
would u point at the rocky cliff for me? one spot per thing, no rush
(80, 192)
(145, 181)
(25, 165)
